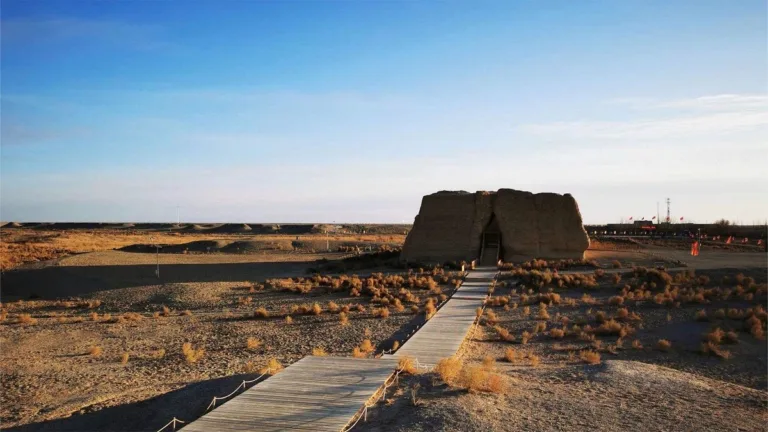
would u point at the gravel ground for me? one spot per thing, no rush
(48, 375)
(631, 389)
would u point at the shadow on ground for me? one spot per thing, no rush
(187, 404)
(61, 281)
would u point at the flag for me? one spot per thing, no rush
(681, 218)
(653, 218)
(729, 240)
(759, 242)
(630, 218)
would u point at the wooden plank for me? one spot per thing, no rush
(324, 393)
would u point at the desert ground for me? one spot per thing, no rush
(92, 339)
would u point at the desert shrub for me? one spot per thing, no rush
(273, 366)
(358, 353)
(663, 345)
(252, 343)
(590, 357)
(381, 313)
(187, 312)
(288, 319)
(540, 327)
(191, 355)
(510, 355)
(124, 358)
(504, 334)
(333, 307)
(616, 264)
(407, 365)
(525, 337)
(527, 311)
(319, 352)
(534, 360)
(448, 369)
(343, 319)
(366, 346)
(489, 363)
(701, 315)
(26, 319)
(636, 344)
(543, 314)
(491, 317)
(261, 313)
(715, 336)
(429, 308)
(600, 316)
(95, 351)
(712, 349)
(616, 300)
(731, 337)
(316, 309)
(557, 333)
(158, 354)
(166, 311)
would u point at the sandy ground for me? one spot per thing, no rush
(50, 382)
(637, 388)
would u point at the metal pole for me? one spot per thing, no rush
(157, 272)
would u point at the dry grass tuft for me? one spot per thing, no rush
(715, 336)
(381, 313)
(510, 355)
(701, 315)
(590, 357)
(712, 349)
(358, 353)
(316, 309)
(252, 343)
(187, 312)
(124, 358)
(273, 366)
(288, 319)
(157, 354)
(663, 345)
(534, 360)
(448, 369)
(95, 351)
(319, 352)
(636, 344)
(557, 333)
(261, 313)
(489, 363)
(26, 319)
(525, 337)
(191, 355)
(343, 319)
(366, 346)
(407, 365)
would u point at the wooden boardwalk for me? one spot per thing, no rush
(325, 393)
(313, 394)
(443, 335)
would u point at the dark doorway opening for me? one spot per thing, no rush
(490, 249)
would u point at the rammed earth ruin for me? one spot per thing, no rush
(507, 225)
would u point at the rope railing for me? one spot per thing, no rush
(212, 405)
(172, 422)
(363, 414)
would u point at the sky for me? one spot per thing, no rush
(351, 111)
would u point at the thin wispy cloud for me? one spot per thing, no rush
(721, 102)
(24, 32)
(706, 116)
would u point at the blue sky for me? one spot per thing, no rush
(351, 111)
